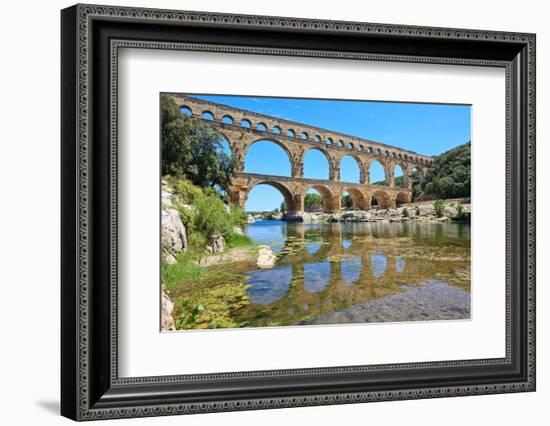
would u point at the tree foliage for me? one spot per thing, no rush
(449, 176)
(191, 149)
(313, 202)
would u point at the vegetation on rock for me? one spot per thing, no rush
(449, 176)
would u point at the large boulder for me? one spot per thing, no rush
(266, 258)
(173, 236)
(166, 318)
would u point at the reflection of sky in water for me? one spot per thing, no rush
(350, 270)
(313, 248)
(269, 285)
(316, 276)
(346, 244)
(378, 264)
(271, 232)
(399, 264)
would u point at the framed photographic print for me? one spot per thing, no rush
(263, 212)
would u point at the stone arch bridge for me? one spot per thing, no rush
(242, 128)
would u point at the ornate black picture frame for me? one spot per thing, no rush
(91, 36)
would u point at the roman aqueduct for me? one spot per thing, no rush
(242, 128)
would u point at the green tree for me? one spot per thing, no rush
(313, 202)
(449, 176)
(192, 149)
(346, 201)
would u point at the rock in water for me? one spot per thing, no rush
(266, 258)
(173, 234)
(166, 319)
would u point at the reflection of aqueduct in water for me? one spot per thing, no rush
(243, 128)
(331, 267)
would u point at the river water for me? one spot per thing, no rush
(359, 272)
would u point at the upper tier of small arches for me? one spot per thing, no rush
(302, 133)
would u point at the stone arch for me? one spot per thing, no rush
(382, 199)
(373, 178)
(276, 130)
(275, 141)
(261, 127)
(245, 122)
(326, 155)
(186, 110)
(358, 163)
(291, 133)
(317, 138)
(227, 119)
(208, 115)
(304, 135)
(285, 191)
(402, 198)
(399, 171)
(359, 199)
(329, 141)
(331, 201)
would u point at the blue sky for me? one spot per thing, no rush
(427, 129)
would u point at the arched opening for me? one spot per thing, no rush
(224, 147)
(380, 199)
(279, 159)
(304, 135)
(246, 123)
(328, 141)
(291, 133)
(261, 127)
(354, 199)
(269, 197)
(350, 146)
(340, 143)
(402, 198)
(227, 119)
(317, 138)
(346, 202)
(276, 130)
(349, 170)
(376, 173)
(316, 165)
(313, 201)
(207, 115)
(185, 110)
(269, 285)
(398, 178)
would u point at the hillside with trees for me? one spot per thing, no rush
(449, 176)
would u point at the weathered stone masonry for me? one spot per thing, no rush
(243, 128)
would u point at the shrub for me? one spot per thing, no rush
(439, 207)
(237, 217)
(405, 212)
(418, 211)
(210, 216)
(187, 191)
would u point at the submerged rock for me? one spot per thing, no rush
(266, 258)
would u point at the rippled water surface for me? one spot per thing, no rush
(367, 272)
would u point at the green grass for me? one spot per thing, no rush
(237, 240)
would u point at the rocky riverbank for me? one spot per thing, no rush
(426, 212)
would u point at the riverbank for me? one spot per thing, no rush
(425, 212)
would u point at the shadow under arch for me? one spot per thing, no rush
(382, 199)
(329, 199)
(402, 198)
(358, 198)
